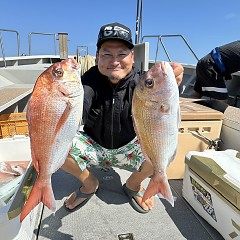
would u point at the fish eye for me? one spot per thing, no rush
(58, 72)
(149, 83)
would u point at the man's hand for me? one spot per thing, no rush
(178, 71)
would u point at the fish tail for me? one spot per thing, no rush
(39, 194)
(159, 184)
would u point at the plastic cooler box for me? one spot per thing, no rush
(195, 118)
(18, 149)
(211, 185)
(231, 129)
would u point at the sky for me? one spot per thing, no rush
(203, 24)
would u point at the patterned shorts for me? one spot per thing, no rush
(87, 153)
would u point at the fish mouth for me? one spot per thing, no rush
(74, 64)
(71, 62)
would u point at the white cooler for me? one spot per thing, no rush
(211, 185)
(18, 149)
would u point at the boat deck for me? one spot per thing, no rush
(109, 216)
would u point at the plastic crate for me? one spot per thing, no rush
(13, 124)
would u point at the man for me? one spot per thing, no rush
(109, 138)
(216, 67)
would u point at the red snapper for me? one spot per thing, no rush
(156, 115)
(53, 114)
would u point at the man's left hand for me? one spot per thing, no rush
(178, 71)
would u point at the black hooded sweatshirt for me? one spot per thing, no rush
(107, 115)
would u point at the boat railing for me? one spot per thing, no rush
(61, 37)
(160, 40)
(2, 50)
(39, 33)
(83, 50)
(2, 46)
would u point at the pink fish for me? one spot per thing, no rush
(53, 114)
(156, 115)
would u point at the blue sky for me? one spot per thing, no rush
(204, 24)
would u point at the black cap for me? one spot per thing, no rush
(115, 31)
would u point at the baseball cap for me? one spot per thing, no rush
(115, 31)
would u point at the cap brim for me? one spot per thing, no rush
(129, 44)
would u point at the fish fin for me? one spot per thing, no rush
(159, 184)
(173, 156)
(63, 118)
(39, 194)
(36, 166)
(34, 161)
(141, 145)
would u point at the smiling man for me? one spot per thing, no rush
(109, 138)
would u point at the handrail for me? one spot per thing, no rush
(82, 48)
(18, 38)
(3, 54)
(29, 40)
(166, 36)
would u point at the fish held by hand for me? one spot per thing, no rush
(54, 114)
(156, 116)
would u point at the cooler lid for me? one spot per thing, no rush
(220, 169)
(194, 111)
(231, 117)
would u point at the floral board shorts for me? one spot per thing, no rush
(87, 153)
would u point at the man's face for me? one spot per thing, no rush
(115, 60)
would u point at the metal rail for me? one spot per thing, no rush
(168, 36)
(38, 33)
(18, 38)
(82, 49)
(2, 47)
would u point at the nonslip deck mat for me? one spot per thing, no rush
(109, 216)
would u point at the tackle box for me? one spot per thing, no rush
(198, 123)
(211, 185)
(18, 149)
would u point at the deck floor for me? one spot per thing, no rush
(108, 214)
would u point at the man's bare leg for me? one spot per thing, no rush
(89, 181)
(134, 183)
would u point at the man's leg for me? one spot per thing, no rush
(135, 180)
(89, 181)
